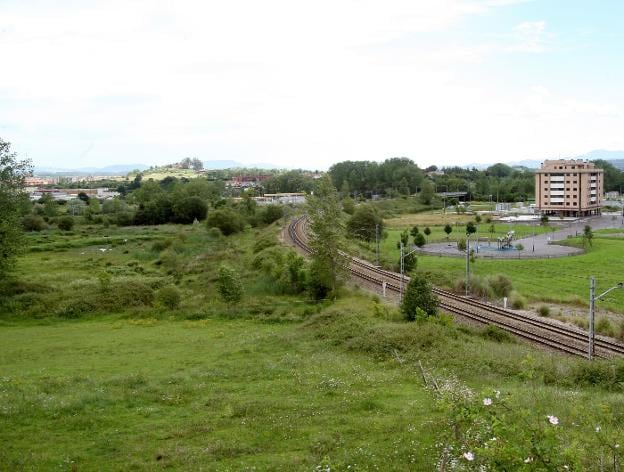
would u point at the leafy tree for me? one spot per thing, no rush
(404, 238)
(229, 285)
(363, 223)
(409, 262)
(427, 231)
(197, 164)
(544, 220)
(477, 219)
(414, 231)
(272, 213)
(33, 223)
(471, 228)
(419, 240)
(66, 223)
(227, 220)
(348, 206)
(169, 297)
(448, 229)
(326, 238)
(419, 300)
(84, 197)
(189, 209)
(588, 235)
(12, 200)
(427, 192)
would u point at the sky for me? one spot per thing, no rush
(308, 84)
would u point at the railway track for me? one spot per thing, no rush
(543, 332)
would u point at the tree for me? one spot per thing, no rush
(66, 223)
(471, 228)
(409, 262)
(226, 219)
(364, 222)
(448, 229)
(12, 203)
(197, 164)
(544, 220)
(271, 213)
(414, 231)
(229, 285)
(326, 238)
(427, 232)
(404, 238)
(348, 206)
(427, 192)
(478, 219)
(588, 235)
(419, 300)
(189, 209)
(419, 240)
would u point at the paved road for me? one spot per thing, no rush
(541, 246)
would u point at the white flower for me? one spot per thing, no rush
(617, 445)
(528, 460)
(469, 456)
(497, 393)
(553, 419)
(597, 429)
(487, 401)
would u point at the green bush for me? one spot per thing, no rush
(544, 310)
(66, 223)
(33, 223)
(501, 285)
(517, 301)
(494, 333)
(271, 213)
(461, 244)
(604, 326)
(169, 297)
(229, 285)
(263, 243)
(419, 301)
(227, 220)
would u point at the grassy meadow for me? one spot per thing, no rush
(96, 373)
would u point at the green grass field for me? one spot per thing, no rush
(95, 374)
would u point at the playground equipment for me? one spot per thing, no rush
(505, 242)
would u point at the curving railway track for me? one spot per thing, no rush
(542, 332)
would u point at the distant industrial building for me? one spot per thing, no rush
(571, 188)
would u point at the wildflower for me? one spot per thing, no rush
(597, 429)
(487, 401)
(617, 445)
(528, 460)
(553, 420)
(469, 456)
(497, 394)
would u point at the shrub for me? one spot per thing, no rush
(419, 301)
(189, 209)
(604, 326)
(66, 223)
(227, 220)
(229, 285)
(169, 297)
(33, 223)
(494, 333)
(263, 243)
(271, 213)
(517, 301)
(501, 286)
(461, 244)
(161, 245)
(544, 310)
(124, 219)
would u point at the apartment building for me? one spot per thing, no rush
(569, 188)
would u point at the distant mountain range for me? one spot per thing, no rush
(123, 169)
(120, 169)
(615, 157)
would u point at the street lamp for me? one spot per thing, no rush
(592, 300)
(402, 258)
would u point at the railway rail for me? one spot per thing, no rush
(542, 332)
